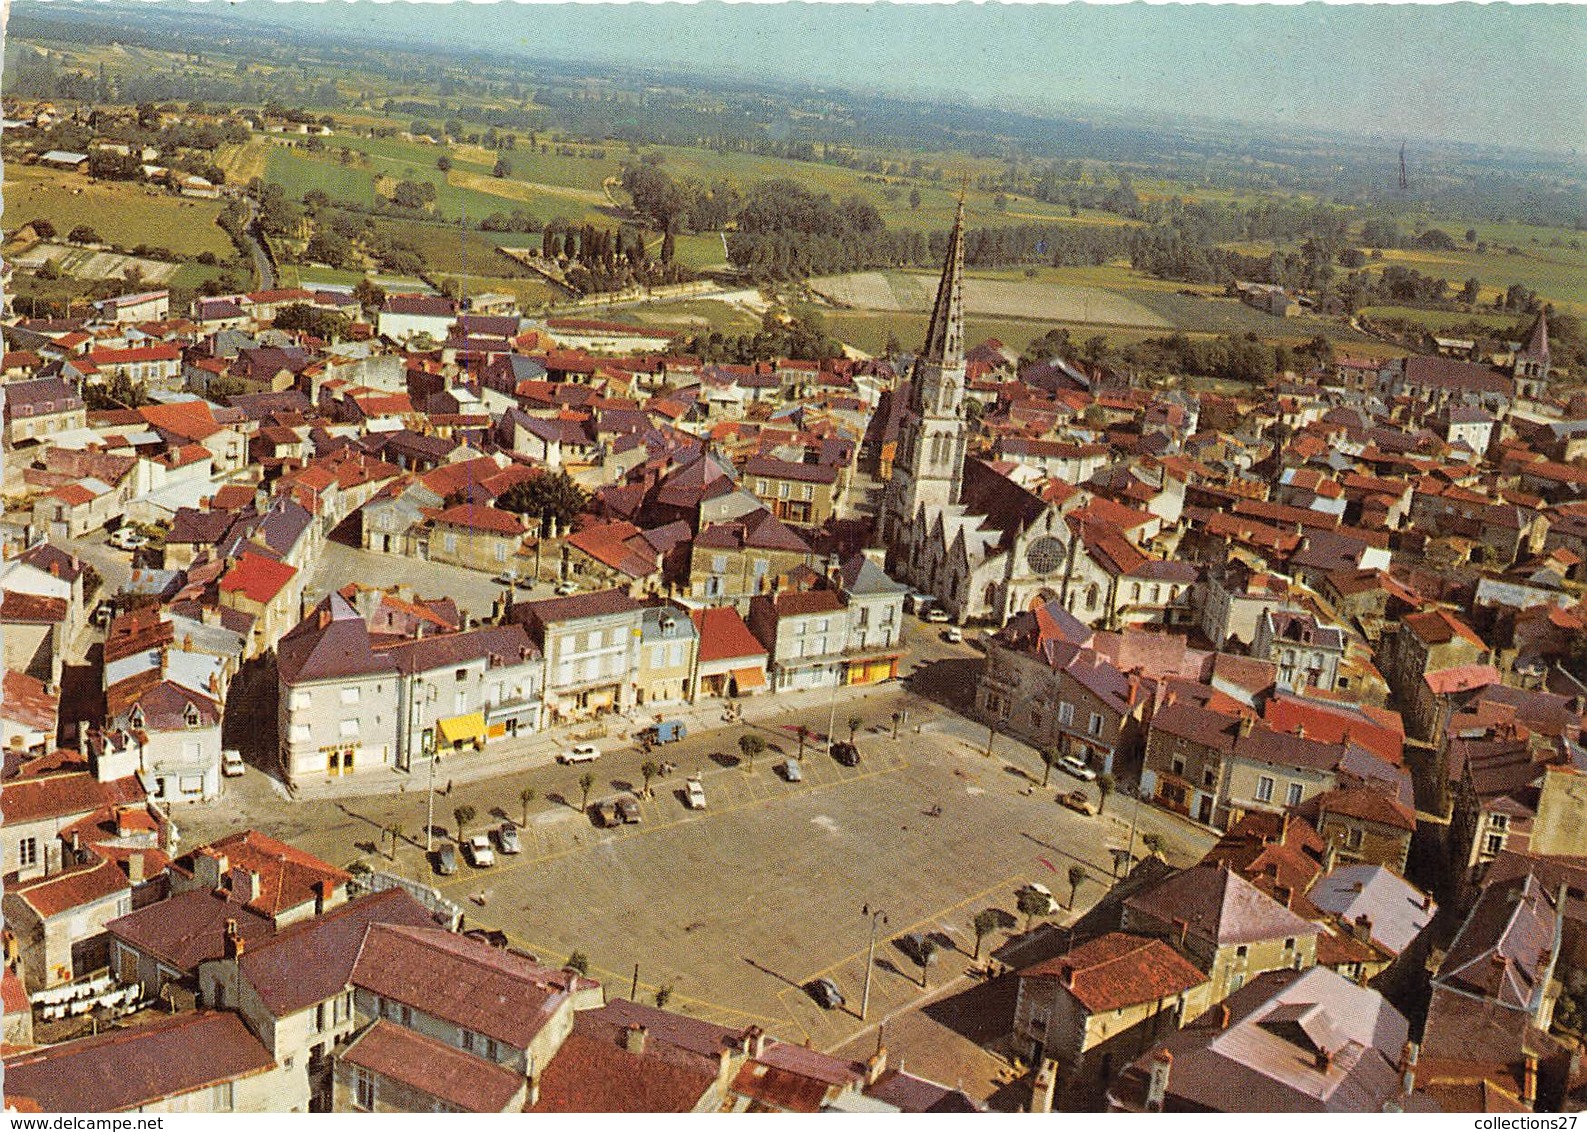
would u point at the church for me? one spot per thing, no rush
(984, 547)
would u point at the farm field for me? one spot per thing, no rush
(1558, 274)
(442, 247)
(1435, 320)
(124, 213)
(1047, 302)
(691, 315)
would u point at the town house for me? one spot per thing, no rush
(590, 643)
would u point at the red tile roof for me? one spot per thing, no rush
(1119, 970)
(461, 1080)
(257, 578)
(724, 636)
(479, 518)
(463, 981)
(32, 609)
(64, 796)
(589, 1075)
(287, 875)
(72, 888)
(165, 1057)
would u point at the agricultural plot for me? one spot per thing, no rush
(122, 212)
(1044, 302)
(88, 263)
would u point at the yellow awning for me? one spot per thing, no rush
(749, 678)
(463, 728)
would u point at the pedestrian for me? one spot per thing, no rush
(448, 790)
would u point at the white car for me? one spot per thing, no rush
(694, 791)
(564, 589)
(953, 635)
(1076, 766)
(480, 854)
(231, 764)
(583, 753)
(128, 539)
(937, 615)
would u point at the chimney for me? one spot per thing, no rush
(876, 1064)
(1529, 1079)
(1408, 1056)
(1246, 725)
(1181, 929)
(135, 867)
(1300, 731)
(234, 943)
(1284, 894)
(1325, 1060)
(319, 896)
(77, 845)
(1223, 1015)
(244, 885)
(754, 1041)
(1362, 928)
(1157, 1084)
(1045, 1085)
(208, 868)
(1066, 974)
(634, 1039)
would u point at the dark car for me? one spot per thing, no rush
(825, 992)
(846, 753)
(628, 809)
(446, 859)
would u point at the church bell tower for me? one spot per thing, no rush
(928, 469)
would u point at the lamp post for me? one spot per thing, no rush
(876, 915)
(429, 817)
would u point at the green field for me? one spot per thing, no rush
(1558, 274)
(1435, 321)
(689, 316)
(123, 213)
(448, 250)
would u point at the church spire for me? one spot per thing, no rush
(945, 335)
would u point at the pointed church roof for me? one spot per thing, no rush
(1537, 343)
(945, 335)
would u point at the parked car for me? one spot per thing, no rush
(825, 992)
(694, 791)
(606, 814)
(104, 613)
(846, 753)
(953, 635)
(1041, 890)
(1075, 765)
(128, 539)
(231, 764)
(791, 770)
(583, 753)
(506, 578)
(628, 809)
(479, 852)
(568, 587)
(446, 859)
(668, 731)
(507, 838)
(937, 615)
(1080, 803)
(526, 583)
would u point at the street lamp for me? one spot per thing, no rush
(876, 915)
(429, 818)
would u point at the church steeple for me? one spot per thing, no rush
(945, 335)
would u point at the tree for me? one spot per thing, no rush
(550, 496)
(855, 723)
(1032, 904)
(503, 168)
(1470, 292)
(985, 923)
(751, 745)
(1155, 845)
(42, 228)
(83, 234)
(1106, 784)
(527, 796)
(579, 962)
(914, 199)
(647, 771)
(1077, 873)
(804, 736)
(923, 954)
(443, 163)
(394, 832)
(586, 784)
(663, 995)
(1049, 759)
(464, 815)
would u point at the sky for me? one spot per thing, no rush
(1493, 74)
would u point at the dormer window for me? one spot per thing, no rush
(135, 717)
(190, 715)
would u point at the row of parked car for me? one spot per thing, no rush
(478, 849)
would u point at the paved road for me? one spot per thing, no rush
(261, 262)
